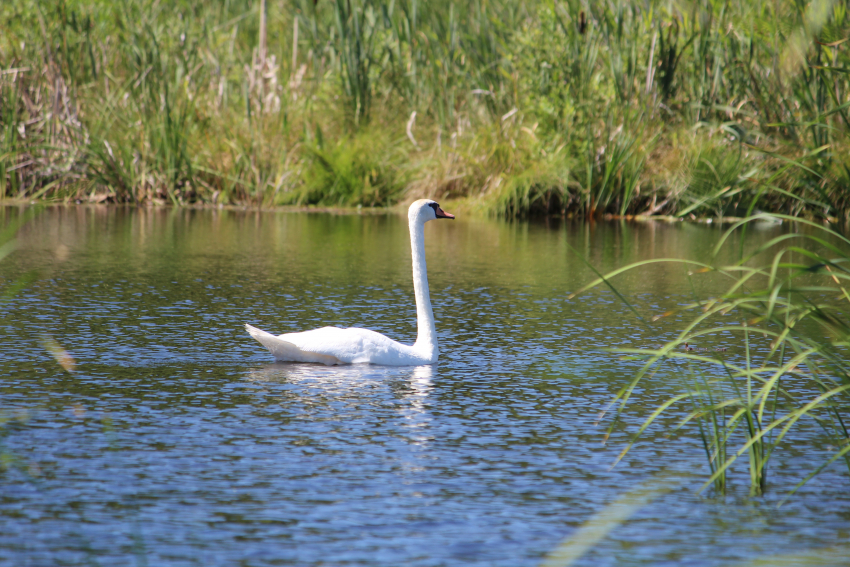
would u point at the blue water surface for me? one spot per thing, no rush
(177, 441)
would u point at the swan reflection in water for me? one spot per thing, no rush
(317, 384)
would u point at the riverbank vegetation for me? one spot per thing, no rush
(703, 107)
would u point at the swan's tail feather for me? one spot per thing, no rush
(286, 351)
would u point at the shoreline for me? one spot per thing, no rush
(465, 208)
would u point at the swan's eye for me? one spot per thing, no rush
(436, 208)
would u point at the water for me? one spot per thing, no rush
(177, 440)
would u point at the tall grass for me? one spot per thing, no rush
(787, 362)
(586, 107)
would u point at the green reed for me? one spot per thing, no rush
(588, 107)
(792, 365)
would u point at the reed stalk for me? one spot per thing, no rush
(757, 393)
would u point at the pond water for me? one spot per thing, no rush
(178, 441)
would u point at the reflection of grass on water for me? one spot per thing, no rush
(528, 107)
(16, 421)
(12, 421)
(8, 421)
(746, 406)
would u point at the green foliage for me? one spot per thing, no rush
(9, 97)
(716, 180)
(144, 101)
(537, 190)
(612, 173)
(792, 366)
(352, 172)
(357, 29)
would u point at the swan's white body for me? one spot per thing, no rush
(332, 345)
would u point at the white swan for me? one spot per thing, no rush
(332, 345)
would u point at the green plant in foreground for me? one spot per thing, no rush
(747, 405)
(594, 530)
(616, 513)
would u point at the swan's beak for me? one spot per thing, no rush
(441, 214)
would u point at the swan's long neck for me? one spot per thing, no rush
(427, 337)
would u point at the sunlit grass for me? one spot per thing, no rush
(744, 405)
(532, 108)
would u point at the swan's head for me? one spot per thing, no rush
(425, 210)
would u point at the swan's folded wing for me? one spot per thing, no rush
(286, 351)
